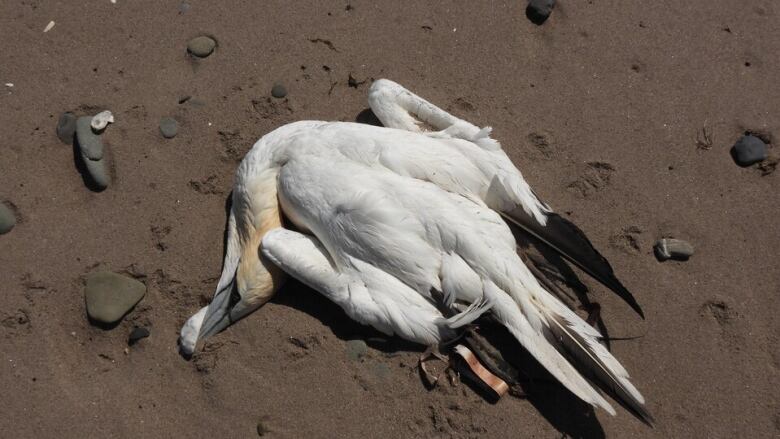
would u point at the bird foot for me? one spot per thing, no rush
(431, 377)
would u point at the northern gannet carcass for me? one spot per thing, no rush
(408, 232)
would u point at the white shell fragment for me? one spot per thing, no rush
(48, 26)
(101, 120)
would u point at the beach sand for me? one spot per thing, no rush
(600, 107)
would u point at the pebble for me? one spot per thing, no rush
(201, 46)
(356, 349)
(101, 120)
(668, 248)
(262, 429)
(748, 150)
(136, 335)
(169, 127)
(66, 127)
(278, 91)
(381, 370)
(109, 296)
(90, 144)
(98, 172)
(7, 219)
(539, 10)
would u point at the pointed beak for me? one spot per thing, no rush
(218, 313)
(208, 321)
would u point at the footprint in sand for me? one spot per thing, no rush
(597, 176)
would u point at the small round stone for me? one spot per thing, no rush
(90, 144)
(677, 249)
(109, 296)
(137, 334)
(169, 127)
(748, 150)
(278, 91)
(7, 219)
(262, 429)
(356, 349)
(66, 127)
(538, 11)
(201, 46)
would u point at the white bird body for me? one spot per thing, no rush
(398, 227)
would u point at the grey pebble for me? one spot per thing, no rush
(109, 296)
(184, 7)
(7, 219)
(201, 46)
(356, 349)
(169, 127)
(90, 144)
(538, 11)
(136, 335)
(748, 150)
(98, 171)
(669, 248)
(278, 91)
(381, 370)
(66, 127)
(262, 429)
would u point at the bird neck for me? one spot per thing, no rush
(257, 212)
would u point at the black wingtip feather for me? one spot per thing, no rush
(570, 242)
(574, 346)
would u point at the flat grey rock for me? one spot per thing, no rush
(169, 127)
(278, 91)
(90, 144)
(669, 248)
(748, 150)
(356, 349)
(201, 46)
(66, 127)
(7, 219)
(109, 296)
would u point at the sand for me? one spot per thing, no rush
(600, 108)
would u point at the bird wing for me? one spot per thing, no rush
(482, 174)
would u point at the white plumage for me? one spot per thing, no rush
(404, 230)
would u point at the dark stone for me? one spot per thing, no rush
(748, 150)
(538, 11)
(66, 127)
(137, 334)
(278, 91)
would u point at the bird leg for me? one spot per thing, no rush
(431, 354)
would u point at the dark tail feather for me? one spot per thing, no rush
(589, 362)
(567, 239)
